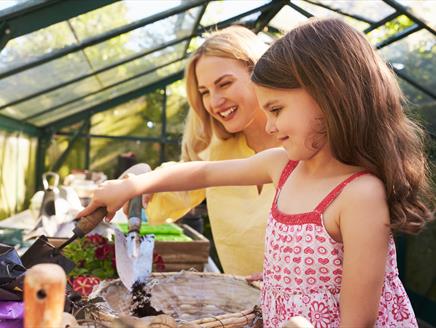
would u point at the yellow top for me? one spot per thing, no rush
(238, 215)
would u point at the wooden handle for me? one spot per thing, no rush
(44, 296)
(134, 217)
(88, 223)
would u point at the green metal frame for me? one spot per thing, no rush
(36, 14)
(13, 125)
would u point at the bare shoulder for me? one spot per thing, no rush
(365, 198)
(277, 159)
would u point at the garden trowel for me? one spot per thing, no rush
(133, 254)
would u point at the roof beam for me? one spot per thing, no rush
(10, 124)
(102, 37)
(400, 8)
(36, 14)
(57, 125)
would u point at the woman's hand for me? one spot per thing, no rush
(112, 194)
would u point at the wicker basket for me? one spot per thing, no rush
(189, 299)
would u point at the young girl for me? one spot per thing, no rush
(351, 171)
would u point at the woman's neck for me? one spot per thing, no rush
(257, 138)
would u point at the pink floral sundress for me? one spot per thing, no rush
(303, 270)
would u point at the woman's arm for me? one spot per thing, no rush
(257, 169)
(365, 234)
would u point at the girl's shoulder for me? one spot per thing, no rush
(365, 198)
(277, 159)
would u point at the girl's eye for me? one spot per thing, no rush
(275, 110)
(203, 93)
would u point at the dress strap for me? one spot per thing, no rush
(290, 166)
(322, 206)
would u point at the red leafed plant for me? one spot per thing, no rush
(94, 256)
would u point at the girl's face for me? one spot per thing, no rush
(227, 92)
(295, 119)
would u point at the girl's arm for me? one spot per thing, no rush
(255, 170)
(365, 234)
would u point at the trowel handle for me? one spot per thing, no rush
(134, 217)
(89, 222)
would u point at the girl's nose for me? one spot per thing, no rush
(270, 127)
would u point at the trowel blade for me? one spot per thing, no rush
(133, 257)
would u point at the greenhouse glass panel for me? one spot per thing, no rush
(374, 11)
(56, 97)
(117, 15)
(217, 11)
(323, 12)
(140, 117)
(423, 9)
(142, 64)
(142, 39)
(389, 29)
(42, 77)
(105, 152)
(172, 152)
(29, 47)
(11, 3)
(415, 56)
(286, 19)
(177, 108)
(107, 94)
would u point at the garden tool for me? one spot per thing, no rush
(133, 254)
(42, 251)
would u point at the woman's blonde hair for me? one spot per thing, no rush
(234, 42)
(362, 102)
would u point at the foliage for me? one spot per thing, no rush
(94, 255)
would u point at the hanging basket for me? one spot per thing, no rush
(187, 299)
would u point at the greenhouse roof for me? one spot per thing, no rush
(61, 62)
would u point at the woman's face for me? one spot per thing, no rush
(295, 119)
(227, 92)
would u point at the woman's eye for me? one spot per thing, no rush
(203, 93)
(225, 84)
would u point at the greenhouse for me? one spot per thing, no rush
(89, 88)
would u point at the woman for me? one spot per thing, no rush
(225, 122)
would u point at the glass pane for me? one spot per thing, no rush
(59, 96)
(286, 19)
(423, 9)
(42, 77)
(105, 152)
(31, 46)
(389, 29)
(142, 39)
(116, 15)
(415, 57)
(110, 93)
(217, 11)
(373, 11)
(142, 64)
(139, 117)
(172, 152)
(323, 12)
(10, 3)
(176, 110)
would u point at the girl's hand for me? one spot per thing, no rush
(255, 277)
(112, 194)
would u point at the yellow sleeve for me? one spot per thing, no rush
(172, 205)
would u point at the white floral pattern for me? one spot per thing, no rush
(303, 270)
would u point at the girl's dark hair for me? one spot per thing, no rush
(362, 104)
